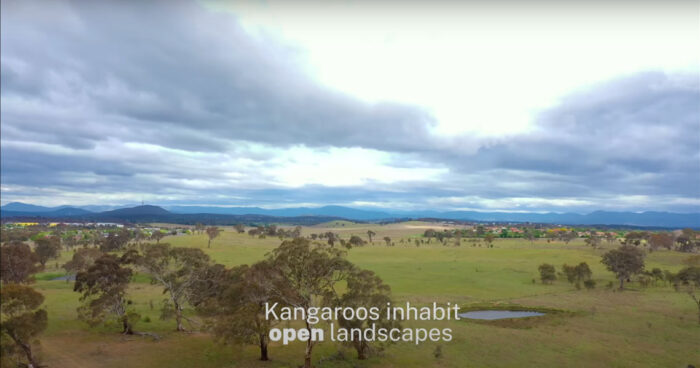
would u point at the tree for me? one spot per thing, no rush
(17, 263)
(176, 269)
(489, 239)
(567, 236)
(660, 240)
(356, 241)
(199, 228)
(157, 235)
(387, 240)
(365, 289)
(577, 274)
(624, 262)
(635, 238)
(235, 312)
(547, 273)
(115, 240)
(212, 233)
(610, 237)
(139, 236)
(240, 228)
(296, 233)
(331, 238)
(103, 288)
(529, 235)
(370, 234)
(593, 240)
(48, 247)
(309, 276)
(688, 280)
(82, 260)
(22, 321)
(687, 241)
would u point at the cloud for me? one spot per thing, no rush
(176, 75)
(633, 135)
(177, 103)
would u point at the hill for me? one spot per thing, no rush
(187, 214)
(148, 213)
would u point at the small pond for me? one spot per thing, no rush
(64, 278)
(498, 314)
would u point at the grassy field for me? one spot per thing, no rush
(650, 327)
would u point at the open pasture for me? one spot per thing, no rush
(653, 326)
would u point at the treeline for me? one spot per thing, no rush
(228, 302)
(627, 263)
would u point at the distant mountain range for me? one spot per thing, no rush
(142, 214)
(309, 215)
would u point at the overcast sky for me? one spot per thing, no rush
(516, 106)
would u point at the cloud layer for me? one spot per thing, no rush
(176, 103)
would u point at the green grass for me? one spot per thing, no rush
(650, 327)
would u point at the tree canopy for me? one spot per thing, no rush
(624, 262)
(22, 322)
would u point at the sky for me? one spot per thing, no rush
(490, 106)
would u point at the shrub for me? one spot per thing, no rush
(437, 353)
(547, 273)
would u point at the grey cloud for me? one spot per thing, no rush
(179, 68)
(90, 75)
(633, 135)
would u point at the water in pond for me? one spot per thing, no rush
(64, 278)
(498, 314)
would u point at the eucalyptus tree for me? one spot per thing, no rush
(547, 273)
(365, 290)
(308, 276)
(370, 234)
(22, 321)
(103, 287)
(176, 269)
(82, 259)
(47, 248)
(212, 233)
(234, 305)
(17, 263)
(625, 261)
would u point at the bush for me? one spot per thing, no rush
(437, 353)
(589, 284)
(547, 273)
